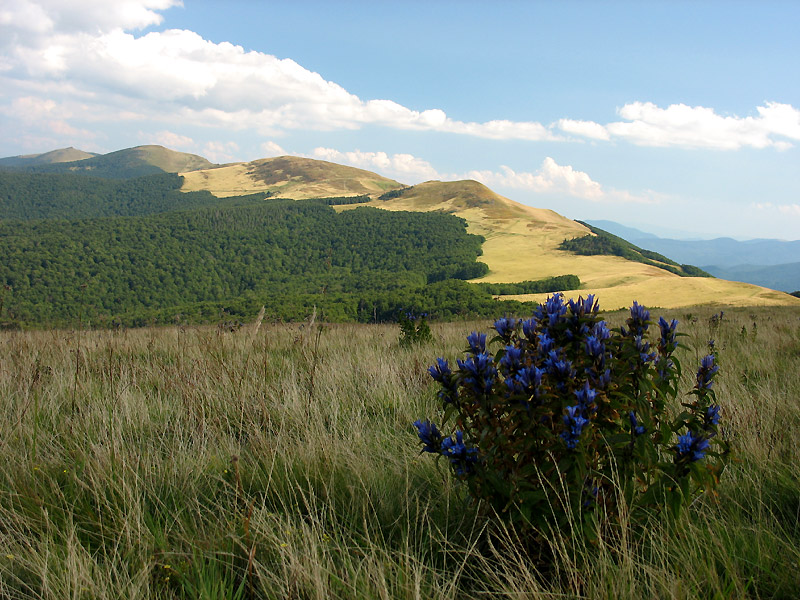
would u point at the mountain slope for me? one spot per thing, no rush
(522, 242)
(726, 252)
(54, 156)
(785, 277)
(124, 164)
(289, 177)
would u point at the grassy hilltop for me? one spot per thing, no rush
(279, 461)
(522, 242)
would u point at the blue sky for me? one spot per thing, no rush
(669, 116)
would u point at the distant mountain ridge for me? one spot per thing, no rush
(769, 263)
(522, 243)
(122, 164)
(61, 155)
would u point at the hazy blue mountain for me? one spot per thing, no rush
(725, 252)
(626, 233)
(784, 277)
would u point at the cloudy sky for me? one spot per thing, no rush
(670, 116)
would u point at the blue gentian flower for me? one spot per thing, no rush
(529, 328)
(668, 342)
(711, 417)
(574, 422)
(601, 331)
(461, 457)
(692, 446)
(586, 397)
(546, 343)
(440, 371)
(706, 373)
(635, 427)
(595, 348)
(506, 326)
(553, 308)
(512, 359)
(527, 381)
(581, 307)
(643, 347)
(479, 372)
(638, 321)
(477, 342)
(429, 435)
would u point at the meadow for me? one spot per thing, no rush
(280, 461)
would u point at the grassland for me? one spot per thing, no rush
(279, 461)
(287, 177)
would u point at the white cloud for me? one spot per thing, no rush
(646, 124)
(789, 210)
(585, 128)
(89, 16)
(86, 57)
(404, 167)
(550, 179)
(554, 179)
(220, 152)
(176, 76)
(168, 139)
(270, 149)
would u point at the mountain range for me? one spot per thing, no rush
(769, 263)
(520, 243)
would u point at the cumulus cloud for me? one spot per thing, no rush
(647, 124)
(788, 210)
(221, 152)
(554, 179)
(168, 139)
(89, 57)
(270, 149)
(550, 179)
(404, 167)
(584, 128)
(178, 76)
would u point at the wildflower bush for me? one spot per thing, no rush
(414, 329)
(570, 424)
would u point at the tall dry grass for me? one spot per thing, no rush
(278, 461)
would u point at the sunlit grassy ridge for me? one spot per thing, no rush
(281, 461)
(288, 177)
(522, 242)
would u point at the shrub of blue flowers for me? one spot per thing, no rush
(414, 329)
(568, 420)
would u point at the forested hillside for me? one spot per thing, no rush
(604, 243)
(230, 258)
(26, 195)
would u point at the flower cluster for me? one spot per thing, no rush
(567, 398)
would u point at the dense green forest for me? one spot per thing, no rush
(68, 196)
(139, 251)
(606, 243)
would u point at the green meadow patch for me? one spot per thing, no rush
(280, 461)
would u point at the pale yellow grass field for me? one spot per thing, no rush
(243, 178)
(524, 246)
(231, 180)
(521, 241)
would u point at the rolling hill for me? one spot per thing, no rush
(288, 177)
(54, 156)
(522, 242)
(769, 263)
(122, 164)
